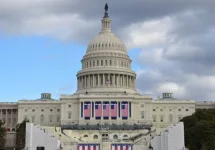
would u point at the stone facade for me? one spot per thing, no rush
(106, 77)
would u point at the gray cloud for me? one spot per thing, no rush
(176, 38)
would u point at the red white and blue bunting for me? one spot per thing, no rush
(121, 147)
(88, 147)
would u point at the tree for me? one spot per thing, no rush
(20, 134)
(2, 135)
(199, 130)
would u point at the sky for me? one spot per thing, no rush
(171, 44)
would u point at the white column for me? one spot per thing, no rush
(108, 76)
(135, 83)
(98, 80)
(93, 80)
(129, 81)
(6, 118)
(132, 82)
(103, 80)
(85, 81)
(78, 82)
(88, 81)
(113, 79)
(126, 80)
(81, 79)
(117, 80)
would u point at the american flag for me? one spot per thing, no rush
(87, 109)
(113, 109)
(98, 110)
(107, 81)
(124, 109)
(106, 109)
(121, 147)
(88, 147)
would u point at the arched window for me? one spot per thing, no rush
(115, 137)
(41, 118)
(125, 135)
(95, 137)
(85, 135)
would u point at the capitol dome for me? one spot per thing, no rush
(106, 41)
(106, 66)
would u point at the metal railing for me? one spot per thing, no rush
(107, 127)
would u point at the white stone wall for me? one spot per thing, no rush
(40, 112)
(9, 114)
(171, 138)
(166, 112)
(72, 104)
(10, 139)
(35, 137)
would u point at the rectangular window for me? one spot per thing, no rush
(93, 63)
(154, 118)
(161, 109)
(69, 115)
(170, 118)
(97, 62)
(186, 109)
(58, 119)
(161, 118)
(179, 109)
(69, 106)
(101, 62)
(106, 63)
(50, 118)
(14, 120)
(110, 63)
(142, 114)
(154, 110)
(33, 119)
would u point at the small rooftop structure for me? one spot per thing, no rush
(46, 96)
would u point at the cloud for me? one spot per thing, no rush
(182, 63)
(176, 38)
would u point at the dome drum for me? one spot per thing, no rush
(106, 80)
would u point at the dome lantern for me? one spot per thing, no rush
(106, 21)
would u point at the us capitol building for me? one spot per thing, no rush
(106, 108)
